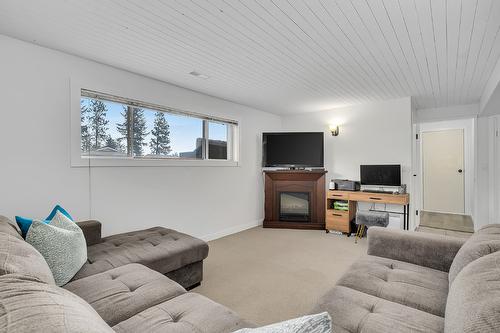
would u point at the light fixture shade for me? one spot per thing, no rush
(334, 129)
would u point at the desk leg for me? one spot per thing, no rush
(407, 217)
(404, 218)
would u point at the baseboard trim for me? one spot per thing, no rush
(231, 230)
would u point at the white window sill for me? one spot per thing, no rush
(148, 162)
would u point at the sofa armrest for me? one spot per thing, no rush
(420, 248)
(91, 230)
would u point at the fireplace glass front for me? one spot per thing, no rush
(294, 206)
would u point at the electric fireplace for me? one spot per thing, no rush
(294, 206)
(295, 199)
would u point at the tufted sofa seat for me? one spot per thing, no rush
(401, 285)
(408, 284)
(134, 298)
(123, 292)
(167, 251)
(356, 311)
(189, 312)
(419, 282)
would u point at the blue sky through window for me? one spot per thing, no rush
(217, 131)
(184, 130)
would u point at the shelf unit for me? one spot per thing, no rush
(339, 220)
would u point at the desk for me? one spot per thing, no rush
(340, 220)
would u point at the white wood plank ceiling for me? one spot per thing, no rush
(282, 56)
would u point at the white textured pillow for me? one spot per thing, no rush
(317, 323)
(62, 244)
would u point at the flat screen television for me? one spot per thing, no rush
(293, 149)
(381, 175)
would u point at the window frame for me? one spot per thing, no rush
(79, 160)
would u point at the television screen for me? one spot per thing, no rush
(292, 149)
(382, 175)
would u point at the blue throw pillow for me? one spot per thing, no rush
(24, 223)
(56, 209)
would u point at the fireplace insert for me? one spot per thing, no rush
(294, 206)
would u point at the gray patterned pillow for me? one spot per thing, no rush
(317, 323)
(62, 243)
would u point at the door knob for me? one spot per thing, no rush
(460, 170)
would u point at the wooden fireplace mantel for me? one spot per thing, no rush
(311, 182)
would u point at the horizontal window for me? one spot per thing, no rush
(115, 127)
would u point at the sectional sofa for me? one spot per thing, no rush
(408, 282)
(127, 285)
(420, 282)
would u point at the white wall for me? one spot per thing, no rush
(488, 152)
(375, 133)
(488, 175)
(204, 201)
(35, 153)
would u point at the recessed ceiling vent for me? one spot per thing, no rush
(199, 75)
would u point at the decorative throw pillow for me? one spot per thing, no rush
(56, 209)
(317, 323)
(62, 243)
(24, 223)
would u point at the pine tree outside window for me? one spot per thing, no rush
(115, 127)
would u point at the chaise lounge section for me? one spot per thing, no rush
(172, 253)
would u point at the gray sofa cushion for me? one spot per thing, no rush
(160, 249)
(474, 299)
(354, 311)
(123, 292)
(27, 305)
(415, 286)
(483, 242)
(187, 313)
(7, 226)
(19, 257)
(419, 248)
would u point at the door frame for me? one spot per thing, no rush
(468, 127)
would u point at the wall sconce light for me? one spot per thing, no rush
(334, 129)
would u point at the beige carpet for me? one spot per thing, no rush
(269, 275)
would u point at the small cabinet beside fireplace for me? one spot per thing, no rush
(295, 199)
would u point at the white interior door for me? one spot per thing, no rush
(443, 171)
